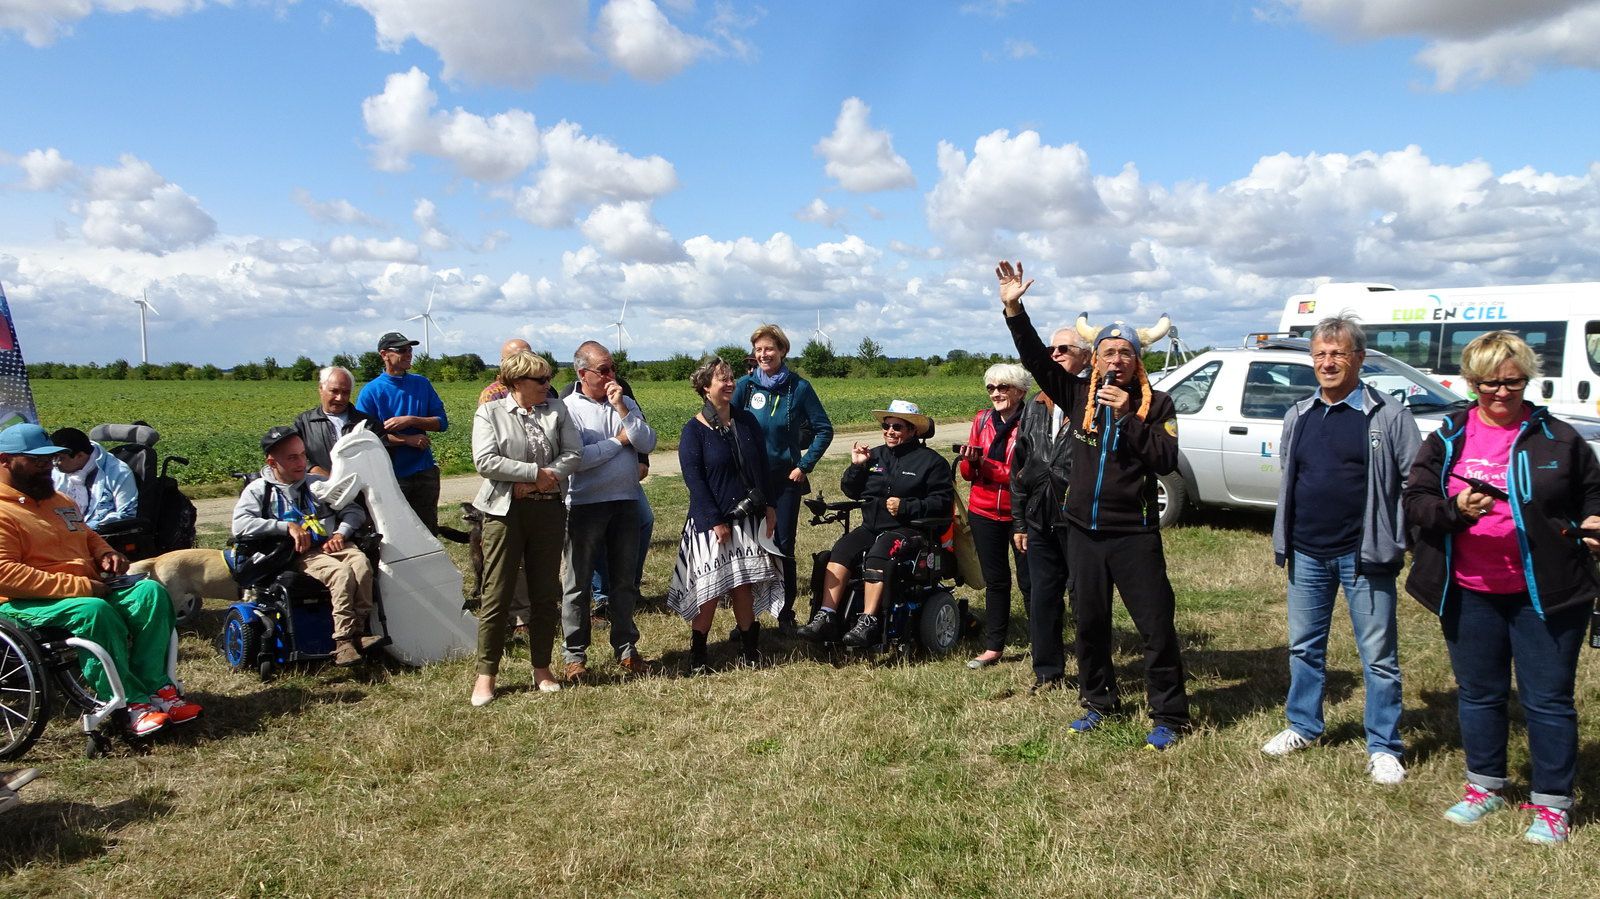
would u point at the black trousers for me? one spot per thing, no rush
(1047, 592)
(1137, 567)
(992, 539)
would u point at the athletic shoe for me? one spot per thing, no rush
(1160, 739)
(1090, 720)
(865, 633)
(1475, 804)
(1288, 740)
(820, 627)
(1550, 825)
(145, 719)
(178, 709)
(1385, 768)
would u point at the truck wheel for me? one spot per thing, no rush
(1172, 494)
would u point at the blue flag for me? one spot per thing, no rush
(16, 397)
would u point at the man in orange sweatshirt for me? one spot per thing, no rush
(52, 570)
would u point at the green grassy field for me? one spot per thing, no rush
(799, 779)
(216, 424)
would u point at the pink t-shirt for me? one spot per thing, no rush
(1488, 556)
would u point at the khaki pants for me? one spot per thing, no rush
(527, 540)
(348, 576)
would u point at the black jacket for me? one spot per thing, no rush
(1039, 469)
(1554, 483)
(317, 432)
(919, 476)
(1112, 487)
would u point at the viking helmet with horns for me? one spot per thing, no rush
(1139, 337)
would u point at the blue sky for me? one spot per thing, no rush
(284, 177)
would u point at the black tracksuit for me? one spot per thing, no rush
(1040, 464)
(1113, 535)
(918, 476)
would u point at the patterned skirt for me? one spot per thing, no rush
(707, 570)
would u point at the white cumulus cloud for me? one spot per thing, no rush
(405, 123)
(42, 22)
(45, 170)
(337, 211)
(819, 212)
(434, 236)
(629, 232)
(580, 172)
(509, 42)
(133, 207)
(861, 158)
(638, 38)
(347, 248)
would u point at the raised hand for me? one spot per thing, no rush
(1012, 287)
(859, 453)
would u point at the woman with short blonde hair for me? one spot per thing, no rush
(523, 365)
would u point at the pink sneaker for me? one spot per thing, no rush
(145, 719)
(178, 709)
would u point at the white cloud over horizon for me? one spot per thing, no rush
(862, 158)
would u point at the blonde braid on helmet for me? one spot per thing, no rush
(1088, 402)
(1144, 384)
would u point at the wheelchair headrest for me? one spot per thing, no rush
(141, 434)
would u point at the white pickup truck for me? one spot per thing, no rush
(1230, 406)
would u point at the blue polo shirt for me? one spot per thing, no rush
(388, 396)
(1330, 484)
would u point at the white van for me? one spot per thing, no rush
(1428, 328)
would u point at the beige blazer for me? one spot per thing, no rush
(499, 446)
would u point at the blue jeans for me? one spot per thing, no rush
(1371, 598)
(600, 582)
(1485, 631)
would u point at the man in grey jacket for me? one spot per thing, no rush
(280, 502)
(1345, 453)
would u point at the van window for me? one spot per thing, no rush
(1189, 395)
(1591, 342)
(1270, 388)
(1415, 345)
(1546, 339)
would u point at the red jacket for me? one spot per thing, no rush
(991, 481)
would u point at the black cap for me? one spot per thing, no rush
(276, 435)
(394, 340)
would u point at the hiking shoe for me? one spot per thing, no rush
(346, 653)
(1475, 804)
(575, 673)
(178, 709)
(820, 627)
(1550, 824)
(1385, 768)
(145, 719)
(865, 633)
(634, 664)
(1088, 721)
(1160, 739)
(1288, 740)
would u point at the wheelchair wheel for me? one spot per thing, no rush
(241, 639)
(24, 691)
(940, 626)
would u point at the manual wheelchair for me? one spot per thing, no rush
(921, 610)
(38, 663)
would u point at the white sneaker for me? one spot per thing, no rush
(1385, 769)
(1288, 740)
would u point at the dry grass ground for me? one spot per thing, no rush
(798, 779)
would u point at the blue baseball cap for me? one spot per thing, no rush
(28, 440)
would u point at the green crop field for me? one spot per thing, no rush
(216, 424)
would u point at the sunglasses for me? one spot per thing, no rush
(896, 426)
(603, 370)
(543, 380)
(991, 388)
(1512, 384)
(1065, 349)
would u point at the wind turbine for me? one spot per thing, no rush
(427, 320)
(618, 323)
(821, 333)
(144, 345)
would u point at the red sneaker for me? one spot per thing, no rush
(178, 709)
(145, 719)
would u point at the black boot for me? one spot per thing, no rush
(752, 644)
(821, 626)
(698, 663)
(865, 633)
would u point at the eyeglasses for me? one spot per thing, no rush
(991, 388)
(1511, 384)
(896, 426)
(1066, 349)
(543, 380)
(1118, 354)
(1331, 356)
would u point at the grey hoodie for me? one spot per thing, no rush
(1392, 442)
(248, 520)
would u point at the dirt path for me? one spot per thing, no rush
(217, 511)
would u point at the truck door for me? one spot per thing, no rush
(1200, 428)
(1250, 444)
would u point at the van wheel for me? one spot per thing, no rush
(1172, 494)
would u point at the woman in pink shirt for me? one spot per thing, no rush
(1498, 502)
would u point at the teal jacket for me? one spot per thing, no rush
(792, 420)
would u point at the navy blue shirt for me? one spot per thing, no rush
(710, 472)
(1330, 485)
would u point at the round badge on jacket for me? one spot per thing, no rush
(758, 400)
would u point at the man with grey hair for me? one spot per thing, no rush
(603, 510)
(1332, 533)
(1041, 462)
(322, 425)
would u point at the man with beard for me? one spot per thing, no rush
(56, 572)
(1124, 434)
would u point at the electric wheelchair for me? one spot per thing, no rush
(166, 519)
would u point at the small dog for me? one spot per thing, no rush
(190, 575)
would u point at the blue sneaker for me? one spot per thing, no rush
(1476, 803)
(1090, 720)
(1160, 739)
(1550, 825)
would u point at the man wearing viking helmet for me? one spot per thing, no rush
(1124, 435)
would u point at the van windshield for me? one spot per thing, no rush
(1415, 389)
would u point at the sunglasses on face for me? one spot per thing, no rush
(896, 426)
(1511, 384)
(602, 370)
(543, 380)
(992, 388)
(1065, 349)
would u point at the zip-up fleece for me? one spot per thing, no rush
(786, 416)
(1553, 479)
(919, 476)
(1114, 470)
(991, 478)
(1392, 441)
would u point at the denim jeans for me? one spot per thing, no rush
(600, 583)
(1371, 598)
(1485, 632)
